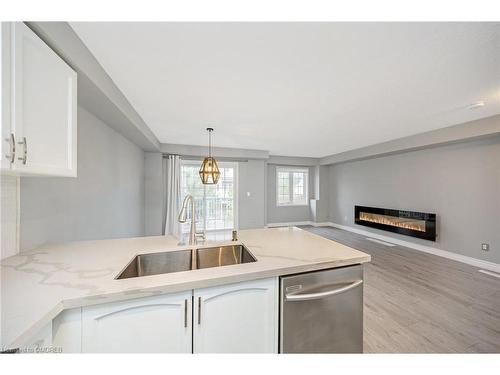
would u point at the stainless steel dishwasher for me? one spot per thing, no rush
(322, 311)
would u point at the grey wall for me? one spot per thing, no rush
(106, 200)
(467, 131)
(96, 90)
(320, 207)
(154, 196)
(195, 152)
(293, 160)
(460, 183)
(280, 214)
(252, 180)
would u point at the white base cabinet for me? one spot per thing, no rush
(67, 331)
(159, 324)
(237, 318)
(234, 318)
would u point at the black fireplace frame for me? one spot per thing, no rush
(429, 218)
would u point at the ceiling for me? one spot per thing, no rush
(300, 89)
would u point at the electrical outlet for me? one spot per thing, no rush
(345, 218)
(485, 246)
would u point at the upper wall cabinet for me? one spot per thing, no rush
(39, 106)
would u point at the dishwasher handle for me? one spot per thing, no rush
(295, 297)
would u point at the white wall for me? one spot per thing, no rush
(106, 200)
(460, 183)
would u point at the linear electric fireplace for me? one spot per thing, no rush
(409, 223)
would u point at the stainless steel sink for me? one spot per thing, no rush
(156, 263)
(223, 256)
(186, 260)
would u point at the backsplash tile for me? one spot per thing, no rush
(9, 203)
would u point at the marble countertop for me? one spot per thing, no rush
(37, 285)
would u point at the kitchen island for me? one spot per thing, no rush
(38, 285)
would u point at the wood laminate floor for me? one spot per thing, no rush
(421, 303)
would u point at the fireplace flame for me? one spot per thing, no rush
(400, 222)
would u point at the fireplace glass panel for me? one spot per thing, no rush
(399, 222)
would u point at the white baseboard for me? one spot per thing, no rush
(415, 246)
(288, 224)
(295, 223)
(494, 274)
(426, 249)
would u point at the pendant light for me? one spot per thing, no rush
(209, 171)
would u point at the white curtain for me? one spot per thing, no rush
(172, 171)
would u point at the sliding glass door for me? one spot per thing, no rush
(216, 208)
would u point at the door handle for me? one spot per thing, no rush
(12, 143)
(199, 310)
(294, 297)
(24, 158)
(185, 313)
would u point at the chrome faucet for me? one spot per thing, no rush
(193, 235)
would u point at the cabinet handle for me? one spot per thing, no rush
(185, 313)
(24, 158)
(12, 143)
(199, 310)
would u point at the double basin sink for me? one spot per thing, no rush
(186, 260)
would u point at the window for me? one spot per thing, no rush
(215, 204)
(292, 186)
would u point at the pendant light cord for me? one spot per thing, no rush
(210, 130)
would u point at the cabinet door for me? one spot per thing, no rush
(43, 96)
(237, 318)
(7, 144)
(160, 324)
(67, 331)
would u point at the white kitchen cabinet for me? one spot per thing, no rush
(67, 331)
(234, 318)
(237, 318)
(159, 324)
(6, 156)
(39, 106)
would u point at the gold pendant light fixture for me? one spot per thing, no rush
(209, 171)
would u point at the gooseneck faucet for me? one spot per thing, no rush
(183, 218)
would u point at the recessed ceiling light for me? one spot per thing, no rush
(476, 105)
